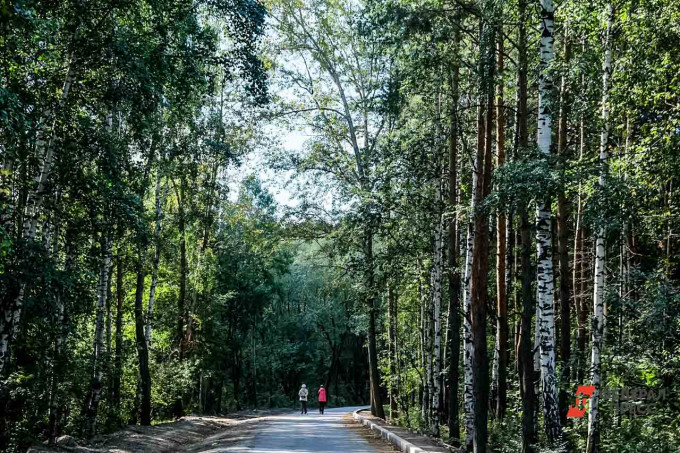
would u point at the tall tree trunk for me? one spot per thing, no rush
(181, 301)
(393, 356)
(437, 324)
(478, 293)
(579, 274)
(118, 358)
(563, 212)
(94, 394)
(453, 335)
(374, 373)
(58, 363)
(525, 354)
(427, 337)
(143, 387)
(11, 316)
(159, 202)
(501, 352)
(424, 346)
(546, 290)
(58, 370)
(212, 183)
(517, 294)
(44, 151)
(479, 282)
(598, 292)
(436, 278)
(109, 297)
(468, 344)
(142, 347)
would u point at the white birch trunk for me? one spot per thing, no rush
(425, 342)
(545, 283)
(436, 282)
(537, 350)
(598, 292)
(44, 148)
(101, 348)
(102, 294)
(436, 277)
(468, 345)
(54, 365)
(12, 315)
(99, 344)
(495, 365)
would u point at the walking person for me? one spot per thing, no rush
(303, 399)
(322, 399)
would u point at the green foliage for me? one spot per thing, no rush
(123, 122)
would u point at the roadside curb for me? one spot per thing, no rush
(402, 444)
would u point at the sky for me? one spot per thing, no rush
(255, 163)
(289, 137)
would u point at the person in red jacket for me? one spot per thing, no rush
(322, 399)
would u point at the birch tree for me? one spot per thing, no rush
(545, 285)
(338, 80)
(437, 272)
(98, 355)
(598, 320)
(454, 331)
(44, 149)
(468, 344)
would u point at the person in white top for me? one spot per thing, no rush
(303, 399)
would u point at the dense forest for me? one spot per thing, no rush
(465, 213)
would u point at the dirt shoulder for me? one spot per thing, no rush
(372, 438)
(182, 435)
(429, 444)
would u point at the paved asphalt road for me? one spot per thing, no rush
(295, 433)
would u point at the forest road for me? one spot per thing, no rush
(295, 433)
